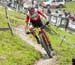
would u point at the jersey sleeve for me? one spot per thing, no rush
(27, 18)
(41, 13)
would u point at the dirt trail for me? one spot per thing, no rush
(43, 61)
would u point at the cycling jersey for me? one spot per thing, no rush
(35, 17)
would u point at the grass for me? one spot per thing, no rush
(65, 52)
(70, 6)
(13, 50)
(14, 17)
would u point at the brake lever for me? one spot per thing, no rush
(47, 23)
(27, 32)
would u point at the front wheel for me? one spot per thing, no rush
(45, 46)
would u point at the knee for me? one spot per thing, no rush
(31, 28)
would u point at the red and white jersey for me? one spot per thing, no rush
(35, 17)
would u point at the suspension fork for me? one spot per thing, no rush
(45, 36)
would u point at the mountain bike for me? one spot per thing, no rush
(43, 39)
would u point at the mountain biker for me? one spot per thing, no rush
(33, 17)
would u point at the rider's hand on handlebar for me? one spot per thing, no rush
(47, 22)
(27, 32)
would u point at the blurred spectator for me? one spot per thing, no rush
(48, 10)
(71, 17)
(36, 6)
(65, 13)
(32, 2)
(9, 2)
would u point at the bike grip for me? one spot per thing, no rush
(47, 22)
(27, 32)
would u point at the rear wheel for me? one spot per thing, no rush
(45, 46)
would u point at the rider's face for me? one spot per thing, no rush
(32, 12)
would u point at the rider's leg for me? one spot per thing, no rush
(47, 39)
(34, 34)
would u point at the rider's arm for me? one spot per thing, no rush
(26, 20)
(43, 14)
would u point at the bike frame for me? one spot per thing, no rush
(43, 38)
(42, 31)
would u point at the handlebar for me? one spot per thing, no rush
(45, 25)
(42, 27)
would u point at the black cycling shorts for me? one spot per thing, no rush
(37, 24)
